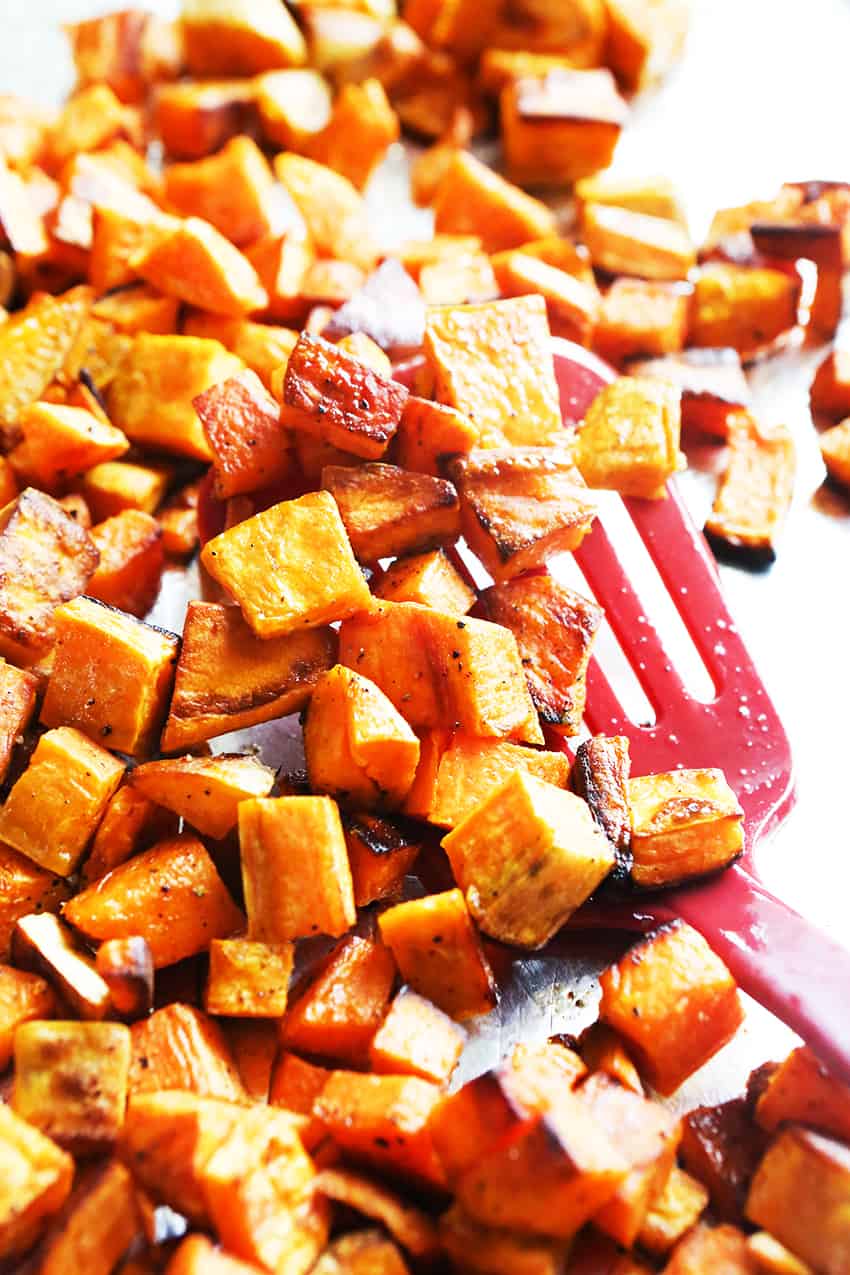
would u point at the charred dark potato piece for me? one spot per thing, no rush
(600, 775)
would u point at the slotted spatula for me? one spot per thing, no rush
(778, 957)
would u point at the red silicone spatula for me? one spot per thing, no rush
(777, 956)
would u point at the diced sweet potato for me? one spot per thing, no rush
(60, 443)
(126, 966)
(429, 433)
(295, 1085)
(685, 823)
(128, 708)
(654, 196)
(380, 854)
(294, 868)
(356, 138)
(194, 262)
(674, 1211)
(42, 944)
(265, 563)
(471, 769)
(572, 304)
(228, 679)
(408, 1225)
(526, 858)
(248, 979)
(643, 41)
(132, 560)
(743, 307)
(631, 243)
(639, 318)
(686, 1001)
(417, 1039)
(139, 308)
(474, 200)
(45, 559)
(262, 347)
(830, 390)
(130, 901)
(774, 1258)
(604, 1051)
(629, 440)
(803, 1091)
(835, 451)
(254, 1044)
(34, 344)
(197, 1255)
(204, 791)
(239, 37)
(464, 343)
(439, 953)
(54, 807)
(389, 511)
(712, 1248)
(722, 1147)
(361, 1251)
(23, 997)
(281, 263)
(714, 389)
(429, 579)
(293, 105)
(18, 690)
(560, 126)
(35, 1179)
(151, 398)
(600, 775)
(179, 1047)
(117, 485)
(337, 1015)
(241, 422)
(130, 823)
(357, 746)
(521, 506)
(71, 1081)
(388, 646)
(331, 206)
(231, 190)
(97, 1225)
(195, 118)
(756, 490)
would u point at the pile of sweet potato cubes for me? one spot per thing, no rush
(221, 992)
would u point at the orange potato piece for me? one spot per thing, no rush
(629, 441)
(755, 492)
(640, 317)
(361, 129)
(674, 1211)
(35, 1180)
(180, 1047)
(342, 1008)
(126, 966)
(707, 1248)
(253, 1042)
(389, 511)
(494, 1251)
(24, 889)
(408, 1225)
(132, 559)
(631, 243)
(417, 1039)
(194, 119)
(117, 485)
(194, 262)
(204, 791)
(803, 1091)
(331, 206)
(261, 347)
(572, 305)
(743, 307)
(295, 1085)
(231, 190)
(430, 433)
(198, 1256)
(471, 769)
(293, 105)
(380, 854)
(281, 263)
(474, 200)
(97, 1226)
(830, 391)
(23, 997)
(429, 579)
(18, 691)
(835, 450)
(239, 37)
(248, 979)
(139, 308)
(34, 344)
(60, 443)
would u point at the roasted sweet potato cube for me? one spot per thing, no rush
(46, 557)
(265, 563)
(744, 307)
(195, 118)
(231, 190)
(471, 769)
(293, 105)
(417, 1039)
(802, 1091)
(526, 858)
(197, 1255)
(429, 579)
(685, 823)
(600, 775)
(331, 206)
(820, 243)
(603, 1051)
(35, 1180)
(647, 1137)
(98, 1224)
(194, 262)
(654, 196)
(130, 902)
(438, 952)
(674, 1211)
(629, 440)
(639, 317)
(389, 511)
(643, 41)
(774, 1258)
(409, 1226)
(295, 1085)
(686, 1001)
(132, 560)
(180, 1047)
(357, 746)
(799, 1195)
(241, 422)
(389, 646)
(116, 485)
(721, 1146)
(383, 1120)
(415, 254)
(631, 243)
(835, 451)
(430, 433)
(755, 492)
(126, 50)
(337, 398)
(128, 708)
(71, 1081)
(560, 126)
(380, 854)
(521, 505)
(90, 119)
(254, 1043)
(248, 979)
(126, 966)
(262, 347)
(18, 692)
(42, 944)
(228, 679)
(281, 263)
(339, 1012)
(493, 1251)
(239, 37)
(830, 391)
(34, 344)
(464, 343)
(572, 304)
(139, 308)
(493, 1110)
(54, 807)
(204, 791)
(130, 823)
(361, 129)
(60, 443)
(474, 200)
(714, 388)
(23, 997)
(287, 898)
(151, 397)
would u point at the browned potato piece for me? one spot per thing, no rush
(196, 118)
(755, 492)
(389, 511)
(630, 243)
(744, 307)
(470, 769)
(232, 190)
(600, 774)
(35, 1180)
(380, 854)
(487, 1250)
(654, 196)
(835, 450)
(126, 966)
(722, 1146)
(248, 979)
(572, 304)
(361, 129)
(629, 440)
(293, 106)
(429, 433)
(684, 824)
(332, 208)
(429, 579)
(830, 393)
(474, 200)
(43, 944)
(714, 388)
(239, 37)
(640, 317)
(521, 506)
(644, 40)
(205, 791)
(18, 691)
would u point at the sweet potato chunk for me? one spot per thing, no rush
(380, 854)
(18, 691)
(265, 563)
(389, 511)
(129, 706)
(293, 106)
(205, 791)
(288, 895)
(199, 1256)
(417, 1039)
(231, 190)
(239, 37)
(194, 262)
(526, 858)
(429, 433)
(742, 306)
(521, 506)
(654, 196)
(572, 304)
(712, 1248)
(126, 966)
(228, 679)
(600, 775)
(97, 1226)
(180, 1047)
(35, 1179)
(674, 1211)
(54, 807)
(471, 769)
(714, 388)
(361, 129)
(560, 126)
(640, 317)
(388, 646)
(130, 823)
(357, 746)
(331, 206)
(116, 485)
(263, 348)
(830, 391)
(241, 422)
(629, 440)
(439, 953)
(802, 1091)
(61, 443)
(774, 1258)
(337, 1015)
(474, 200)
(632, 243)
(248, 979)
(835, 451)
(755, 492)
(34, 344)
(132, 560)
(464, 343)
(429, 579)
(361, 1252)
(23, 997)
(170, 895)
(295, 1085)
(722, 1147)
(409, 1226)
(151, 398)
(46, 557)
(194, 119)
(686, 1001)
(42, 944)
(71, 1081)
(685, 823)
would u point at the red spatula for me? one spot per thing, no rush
(777, 956)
